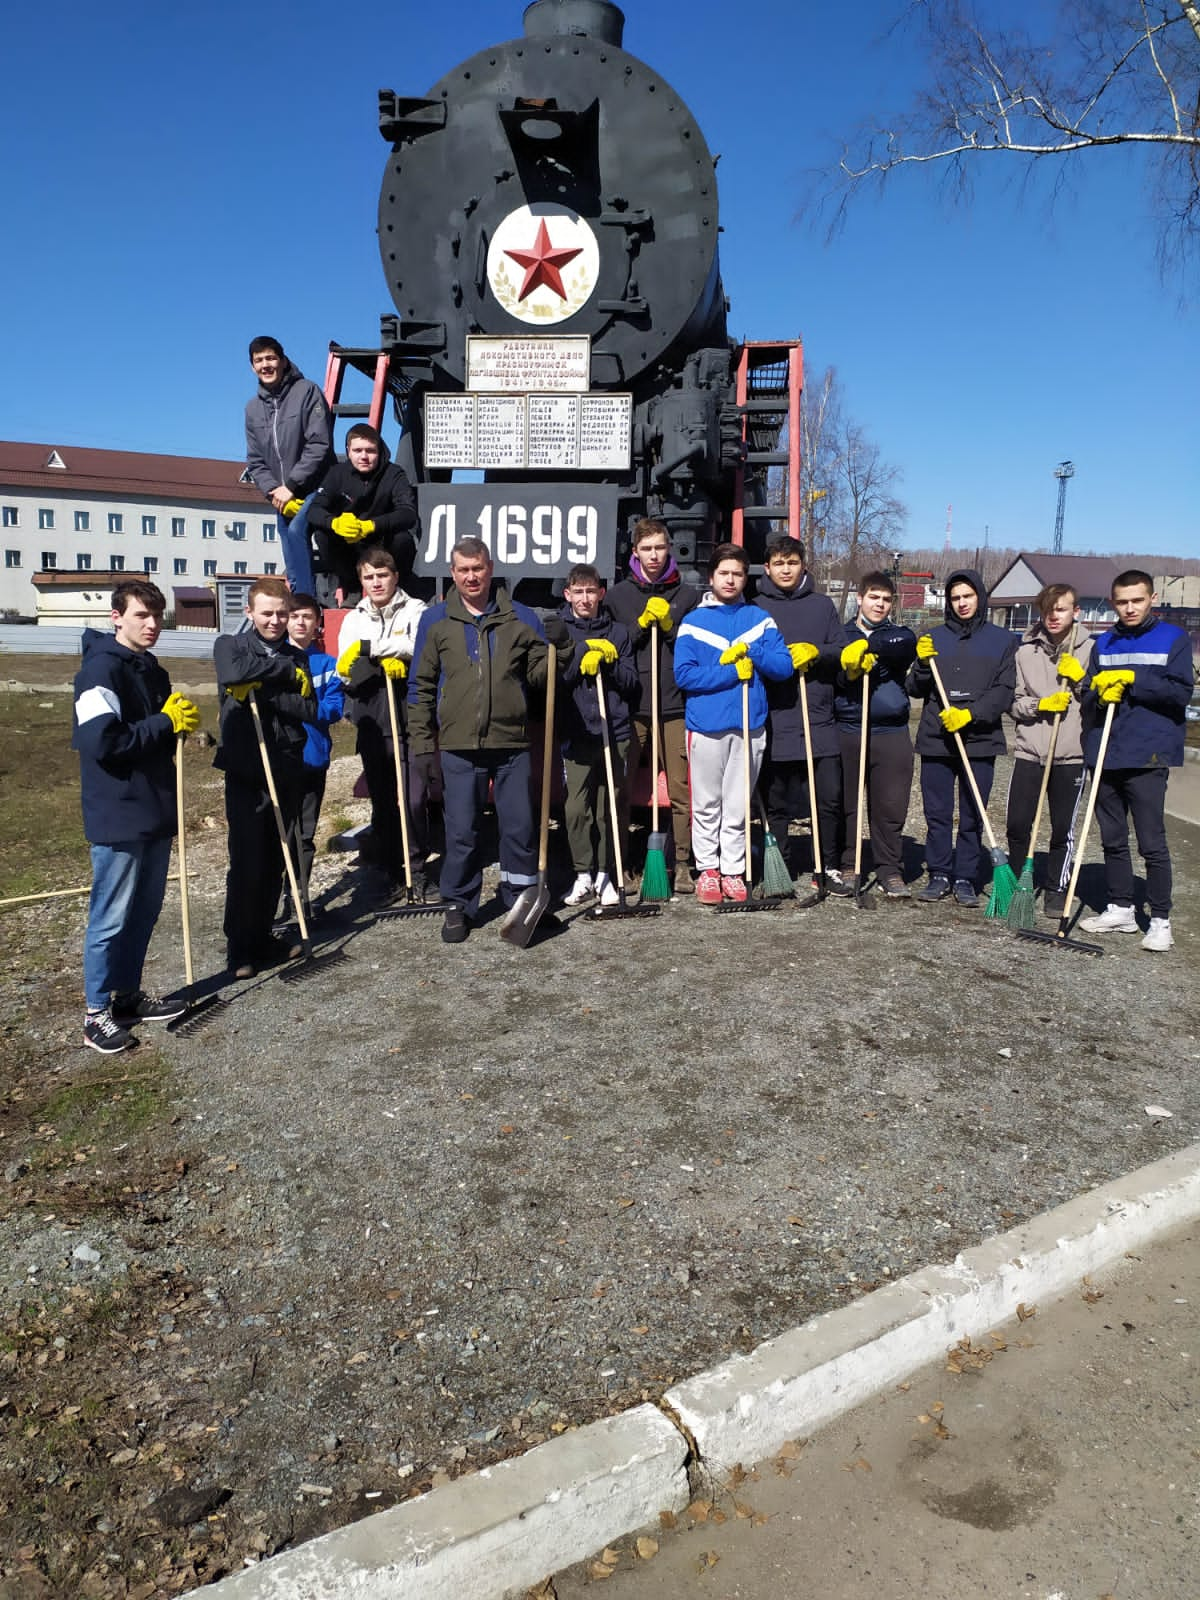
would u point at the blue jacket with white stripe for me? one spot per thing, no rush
(713, 693)
(126, 743)
(1147, 727)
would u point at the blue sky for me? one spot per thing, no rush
(177, 180)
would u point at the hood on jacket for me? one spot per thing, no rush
(370, 479)
(291, 374)
(972, 624)
(668, 575)
(95, 641)
(773, 592)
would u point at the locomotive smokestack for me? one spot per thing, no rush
(595, 18)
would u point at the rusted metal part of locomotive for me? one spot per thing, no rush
(548, 220)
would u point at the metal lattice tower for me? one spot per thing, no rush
(1064, 471)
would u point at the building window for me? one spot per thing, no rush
(150, 564)
(270, 532)
(210, 569)
(12, 517)
(269, 569)
(178, 527)
(116, 522)
(83, 562)
(150, 526)
(237, 530)
(83, 522)
(12, 558)
(239, 569)
(180, 567)
(208, 528)
(45, 518)
(49, 560)
(116, 564)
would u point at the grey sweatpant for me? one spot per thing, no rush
(716, 762)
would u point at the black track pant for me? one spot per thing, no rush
(1139, 793)
(786, 784)
(1062, 799)
(256, 873)
(379, 769)
(889, 783)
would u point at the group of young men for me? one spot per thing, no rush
(773, 694)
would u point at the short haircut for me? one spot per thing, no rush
(1126, 580)
(470, 549)
(364, 430)
(149, 594)
(727, 552)
(1052, 594)
(584, 574)
(647, 528)
(306, 602)
(265, 342)
(377, 557)
(273, 588)
(784, 545)
(877, 580)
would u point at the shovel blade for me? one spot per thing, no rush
(525, 914)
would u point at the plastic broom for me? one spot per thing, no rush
(656, 882)
(1021, 913)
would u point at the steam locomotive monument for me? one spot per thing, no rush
(548, 231)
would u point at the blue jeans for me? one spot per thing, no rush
(128, 882)
(297, 552)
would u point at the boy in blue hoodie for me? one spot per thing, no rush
(126, 721)
(1145, 669)
(724, 643)
(602, 653)
(304, 624)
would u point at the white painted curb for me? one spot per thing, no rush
(745, 1409)
(504, 1528)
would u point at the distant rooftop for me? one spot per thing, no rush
(63, 469)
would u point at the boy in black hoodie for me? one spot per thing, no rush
(363, 498)
(978, 666)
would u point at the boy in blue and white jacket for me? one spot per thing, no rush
(724, 643)
(304, 623)
(1145, 670)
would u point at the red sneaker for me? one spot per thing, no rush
(733, 888)
(708, 888)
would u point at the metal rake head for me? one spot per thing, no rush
(199, 1014)
(310, 966)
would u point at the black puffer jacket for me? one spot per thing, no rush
(627, 600)
(803, 616)
(978, 666)
(246, 658)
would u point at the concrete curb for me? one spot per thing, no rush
(505, 1528)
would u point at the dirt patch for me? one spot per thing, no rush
(373, 1231)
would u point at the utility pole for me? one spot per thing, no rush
(1064, 471)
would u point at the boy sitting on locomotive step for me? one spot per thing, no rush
(365, 502)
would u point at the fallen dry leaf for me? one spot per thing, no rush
(543, 1591)
(708, 1559)
(941, 1431)
(667, 1520)
(609, 1556)
(790, 1450)
(625, 1201)
(1024, 1312)
(742, 1511)
(760, 1519)
(647, 1549)
(598, 1570)
(699, 1510)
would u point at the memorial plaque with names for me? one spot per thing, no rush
(522, 365)
(500, 430)
(553, 431)
(604, 431)
(450, 430)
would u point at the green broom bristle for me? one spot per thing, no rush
(1021, 913)
(776, 879)
(1004, 886)
(656, 881)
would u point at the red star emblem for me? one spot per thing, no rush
(542, 264)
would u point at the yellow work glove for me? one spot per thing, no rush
(744, 668)
(394, 666)
(293, 508)
(184, 715)
(926, 647)
(605, 648)
(1070, 669)
(365, 529)
(590, 663)
(954, 718)
(303, 680)
(657, 610)
(346, 660)
(852, 655)
(346, 527)
(241, 691)
(803, 656)
(734, 653)
(1111, 685)
(1054, 704)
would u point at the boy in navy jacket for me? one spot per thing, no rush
(125, 724)
(977, 664)
(304, 624)
(724, 643)
(1145, 669)
(602, 652)
(882, 652)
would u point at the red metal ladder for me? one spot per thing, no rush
(770, 381)
(360, 360)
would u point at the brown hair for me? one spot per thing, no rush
(273, 588)
(876, 580)
(583, 573)
(784, 545)
(1126, 580)
(648, 527)
(727, 552)
(149, 594)
(376, 557)
(1052, 594)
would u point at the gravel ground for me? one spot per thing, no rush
(433, 1204)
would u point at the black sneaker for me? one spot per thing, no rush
(102, 1033)
(425, 888)
(839, 883)
(895, 888)
(127, 1009)
(937, 888)
(964, 893)
(1054, 904)
(454, 928)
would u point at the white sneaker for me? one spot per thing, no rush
(606, 890)
(1114, 919)
(580, 891)
(1159, 936)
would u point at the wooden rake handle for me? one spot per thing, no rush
(182, 838)
(813, 820)
(547, 757)
(284, 843)
(654, 752)
(1037, 815)
(962, 756)
(401, 797)
(746, 765)
(614, 819)
(862, 777)
(1090, 809)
